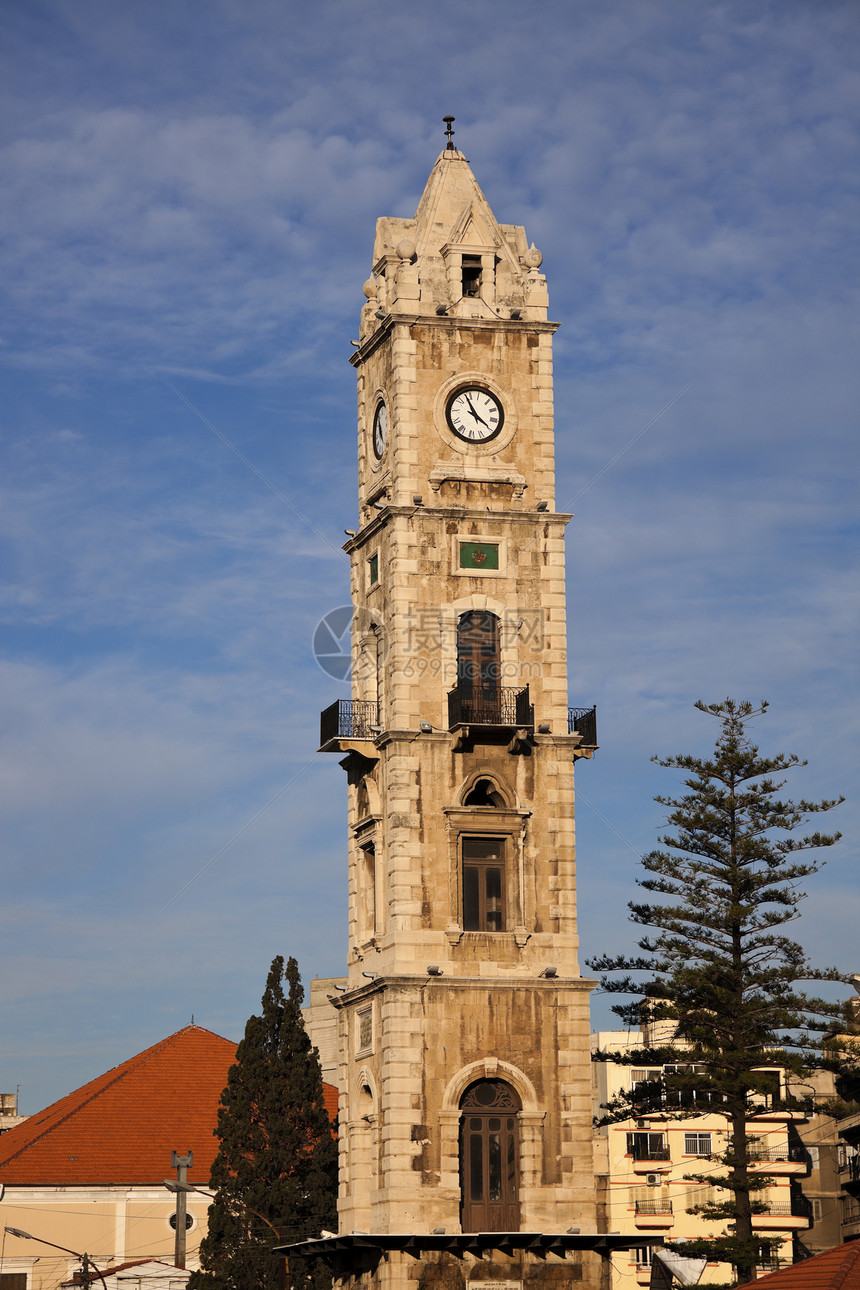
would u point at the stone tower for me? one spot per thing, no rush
(464, 1033)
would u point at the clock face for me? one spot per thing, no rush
(474, 414)
(380, 428)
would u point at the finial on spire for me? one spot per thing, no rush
(449, 133)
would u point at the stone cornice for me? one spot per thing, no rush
(446, 323)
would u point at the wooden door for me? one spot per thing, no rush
(479, 670)
(489, 1158)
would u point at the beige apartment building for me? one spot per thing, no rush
(642, 1165)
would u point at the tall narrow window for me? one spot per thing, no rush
(471, 275)
(367, 892)
(483, 884)
(479, 670)
(489, 1158)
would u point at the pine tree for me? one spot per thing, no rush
(275, 1174)
(719, 974)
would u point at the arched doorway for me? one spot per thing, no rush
(479, 671)
(489, 1157)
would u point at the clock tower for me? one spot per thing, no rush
(465, 1089)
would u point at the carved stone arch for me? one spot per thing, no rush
(366, 1091)
(509, 799)
(464, 603)
(367, 797)
(362, 1133)
(490, 1068)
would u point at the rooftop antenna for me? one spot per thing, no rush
(449, 133)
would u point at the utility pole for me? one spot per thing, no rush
(181, 1164)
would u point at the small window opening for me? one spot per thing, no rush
(484, 793)
(373, 563)
(471, 275)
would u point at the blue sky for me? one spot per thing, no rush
(190, 194)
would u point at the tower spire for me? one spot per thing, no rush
(449, 133)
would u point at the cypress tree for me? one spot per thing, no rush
(719, 973)
(275, 1174)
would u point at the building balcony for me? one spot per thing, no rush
(500, 708)
(773, 1108)
(783, 1218)
(653, 1214)
(583, 721)
(653, 1161)
(850, 1217)
(348, 721)
(778, 1160)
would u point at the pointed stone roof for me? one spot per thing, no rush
(119, 1129)
(837, 1269)
(418, 263)
(454, 209)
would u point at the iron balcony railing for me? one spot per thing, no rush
(653, 1207)
(776, 1155)
(349, 719)
(652, 1153)
(799, 1208)
(502, 706)
(583, 721)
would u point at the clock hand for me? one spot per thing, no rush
(476, 415)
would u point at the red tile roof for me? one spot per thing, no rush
(120, 1129)
(837, 1269)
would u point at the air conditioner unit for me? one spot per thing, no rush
(653, 1180)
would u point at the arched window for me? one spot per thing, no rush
(489, 1157)
(484, 793)
(479, 670)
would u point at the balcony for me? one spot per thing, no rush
(501, 708)
(850, 1217)
(778, 1111)
(583, 721)
(784, 1218)
(778, 1160)
(653, 1160)
(346, 721)
(654, 1214)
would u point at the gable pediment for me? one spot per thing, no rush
(473, 231)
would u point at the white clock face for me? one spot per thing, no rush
(474, 414)
(380, 429)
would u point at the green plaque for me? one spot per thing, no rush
(479, 555)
